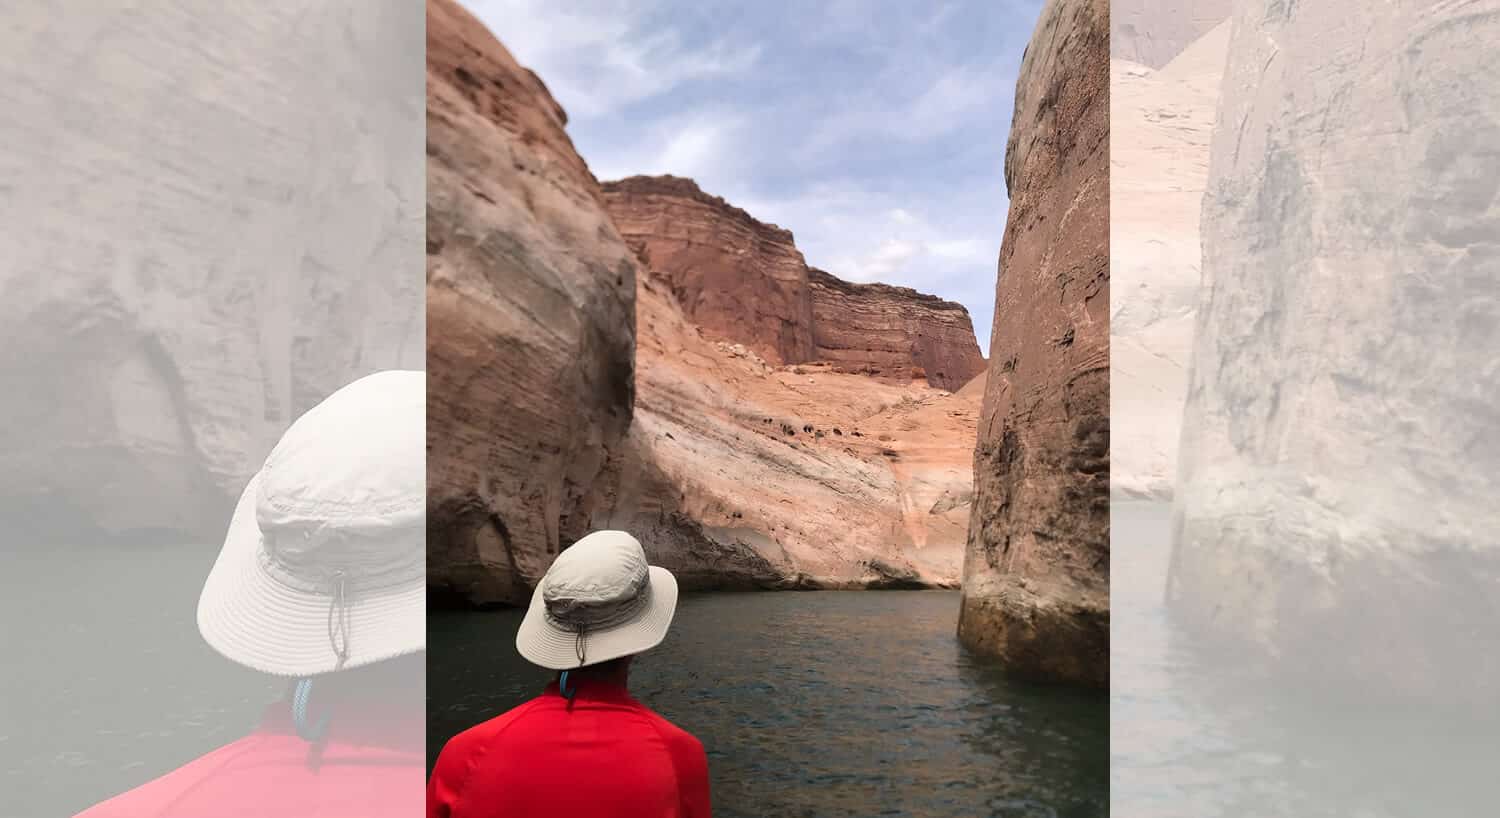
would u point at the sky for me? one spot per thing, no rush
(874, 131)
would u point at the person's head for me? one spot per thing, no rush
(322, 572)
(599, 604)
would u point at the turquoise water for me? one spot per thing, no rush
(822, 704)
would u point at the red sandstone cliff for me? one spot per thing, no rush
(569, 389)
(892, 332)
(741, 474)
(737, 277)
(744, 281)
(1036, 571)
(530, 320)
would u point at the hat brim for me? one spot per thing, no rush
(555, 648)
(250, 618)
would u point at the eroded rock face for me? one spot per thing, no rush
(735, 276)
(1160, 124)
(167, 311)
(739, 474)
(1036, 569)
(531, 317)
(893, 332)
(1336, 515)
(1153, 32)
(744, 281)
(548, 340)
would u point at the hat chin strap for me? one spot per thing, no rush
(338, 620)
(562, 681)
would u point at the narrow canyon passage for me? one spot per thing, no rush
(823, 703)
(645, 355)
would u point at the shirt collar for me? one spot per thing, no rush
(355, 722)
(591, 689)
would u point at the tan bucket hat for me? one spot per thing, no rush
(324, 565)
(598, 601)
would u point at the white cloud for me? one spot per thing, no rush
(703, 146)
(946, 103)
(963, 250)
(876, 139)
(860, 236)
(599, 57)
(889, 257)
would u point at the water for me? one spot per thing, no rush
(106, 683)
(822, 704)
(1191, 740)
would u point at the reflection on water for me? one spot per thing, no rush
(821, 704)
(1189, 739)
(106, 683)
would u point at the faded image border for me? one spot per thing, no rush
(1313, 632)
(212, 259)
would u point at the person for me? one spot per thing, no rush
(584, 748)
(322, 580)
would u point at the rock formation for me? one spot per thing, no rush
(1336, 515)
(735, 276)
(1160, 123)
(1153, 32)
(1036, 569)
(739, 474)
(570, 389)
(531, 320)
(742, 280)
(177, 290)
(892, 332)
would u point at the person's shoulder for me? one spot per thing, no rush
(675, 737)
(159, 795)
(485, 732)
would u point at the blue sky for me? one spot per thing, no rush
(874, 131)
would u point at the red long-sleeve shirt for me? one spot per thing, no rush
(605, 755)
(370, 766)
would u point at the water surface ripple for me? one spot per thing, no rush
(822, 704)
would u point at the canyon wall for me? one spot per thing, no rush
(892, 332)
(1160, 125)
(1036, 569)
(735, 276)
(744, 281)
(585, 377)
(1153, 32)
(1335, 517)
(174, 293)
(531, 320)
(740, 474)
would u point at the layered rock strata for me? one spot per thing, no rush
(571, 390)
(739, 474)
(1036, 569)
(744, 281)
(735, 276)
(892, 332)
(1336, 516)
(531, 320)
